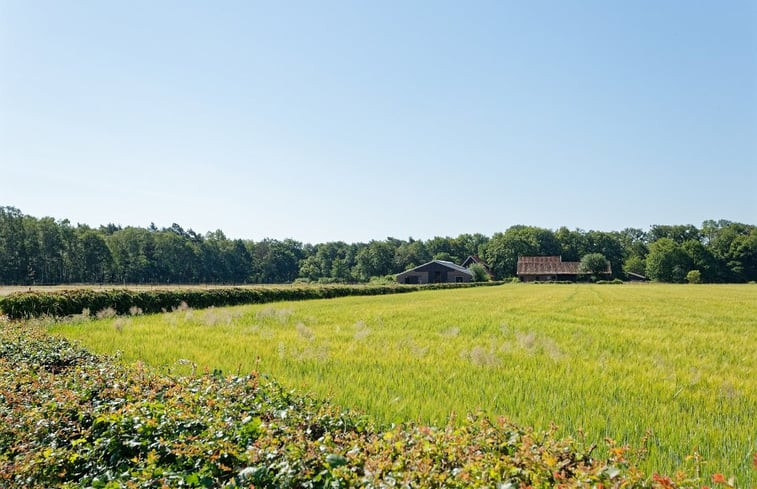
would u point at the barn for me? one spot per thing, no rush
(550, 268)
(436, 271)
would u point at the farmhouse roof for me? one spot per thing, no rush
(475, 259)
(553, 265)
(445, 263)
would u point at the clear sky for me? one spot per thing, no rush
(353, 121)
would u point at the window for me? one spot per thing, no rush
(458, 279)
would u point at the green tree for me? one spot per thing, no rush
(594, 263)
(375, 260)
(573, 244)
(466, 245)
(702, 260)
(667, 261)
(635, 264)
(410, 254)
(238, 261)
(479, 273)
(607, 244)
(72, 254)
(733, 249)
(276, 261)
(711, 229)
(14, 255)
(503, 249)
(678, 233)
(634, 242)
(742, 255)
(174, 258)
(694, 277)
(32, 253)
(51, 251)
(97, 260)
(441, 247)
(132, 249)
(310, 268)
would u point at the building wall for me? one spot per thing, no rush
(434, 273)
(534, 278)
(453, 276)
(421, 276)
(548, 278)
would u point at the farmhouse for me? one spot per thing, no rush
(436, 271)
(475, 259)
(548, 268)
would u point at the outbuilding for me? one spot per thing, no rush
(636, 277)
(550, 268)
(435, 271)
(474, 259)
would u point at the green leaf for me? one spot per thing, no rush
(335, 460)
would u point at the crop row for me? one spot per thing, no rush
(73, 419)
(24, 305)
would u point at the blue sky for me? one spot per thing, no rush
(353, 121)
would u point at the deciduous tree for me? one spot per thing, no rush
(667, 261)
(594, 264)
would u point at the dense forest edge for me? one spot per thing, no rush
(73, 419)
(49, 251)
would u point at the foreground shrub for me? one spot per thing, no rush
(71, 419)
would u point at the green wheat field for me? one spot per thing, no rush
(676, 361)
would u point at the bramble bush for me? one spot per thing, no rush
(72, 419)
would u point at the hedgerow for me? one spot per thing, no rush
(71, 419)
(26, 305)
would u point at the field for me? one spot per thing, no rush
(609, 360)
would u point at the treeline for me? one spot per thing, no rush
(49, 251)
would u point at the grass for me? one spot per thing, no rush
(610, 361)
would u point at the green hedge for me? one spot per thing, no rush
(26, 305)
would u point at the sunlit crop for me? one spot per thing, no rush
(677, 362)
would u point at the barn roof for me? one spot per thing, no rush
(637, 276)
(552, 265)
(452, 265)
(445, 263)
